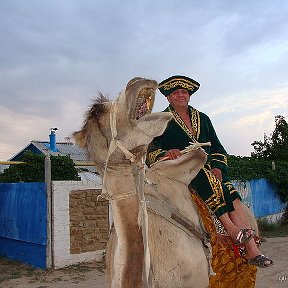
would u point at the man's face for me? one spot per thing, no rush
(179, 98)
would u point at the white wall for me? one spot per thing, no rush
(61, 224)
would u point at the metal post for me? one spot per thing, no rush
(49, 255)
(273, 165)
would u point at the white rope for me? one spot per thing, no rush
(114, 141)
(113, 145)
(139, 175)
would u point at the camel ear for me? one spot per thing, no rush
(80, 138)
(154, 124)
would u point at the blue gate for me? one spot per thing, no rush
(260, 196)
(265, 199)
(23, 221)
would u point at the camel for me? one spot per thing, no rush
(158, 239)
(176, 258)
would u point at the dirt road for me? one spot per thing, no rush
(277, 275)
(93, 274)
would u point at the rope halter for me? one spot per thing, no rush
(115, 142)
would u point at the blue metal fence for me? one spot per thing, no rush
(23, 220)
(265, 198)
(23, 216)
(260, 196)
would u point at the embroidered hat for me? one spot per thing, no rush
(173, 83)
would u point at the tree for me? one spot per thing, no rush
(269, 160)
(62, 168)
(247, 168)
(274, 147)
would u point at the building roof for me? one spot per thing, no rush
(76, 153)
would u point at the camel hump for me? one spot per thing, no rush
(183, 169)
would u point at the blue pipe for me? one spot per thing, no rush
(52, 137)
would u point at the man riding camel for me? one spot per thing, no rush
(212, 182)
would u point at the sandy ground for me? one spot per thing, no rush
(93, 274)
(277, 275)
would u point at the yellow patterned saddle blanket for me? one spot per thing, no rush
(232, 270)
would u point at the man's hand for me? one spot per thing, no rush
(173, 154)
(217, 173)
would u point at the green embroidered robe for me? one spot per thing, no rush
(218, 196)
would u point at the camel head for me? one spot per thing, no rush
(128, 120)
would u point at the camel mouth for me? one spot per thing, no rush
(144, 103)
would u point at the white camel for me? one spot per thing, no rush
(161, 246)
(157, 240)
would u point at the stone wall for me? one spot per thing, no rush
(89, 223)
(67, 246)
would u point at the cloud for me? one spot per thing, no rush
(56, 55)
(19, 129)
(238, 135)
(253, 101)
(260, 120)
(242, 119)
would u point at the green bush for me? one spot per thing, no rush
(247, 168)
(62, 168)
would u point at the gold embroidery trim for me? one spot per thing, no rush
(186, 84)
(207, 165)
(218, 154)
(195, 120)
(181, 123)
(230, 187)
(224, 162)
(217, 199)
(221, 155)
(153, 155)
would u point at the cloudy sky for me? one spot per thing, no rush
(56, 55)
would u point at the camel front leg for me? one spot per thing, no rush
(128, 249)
